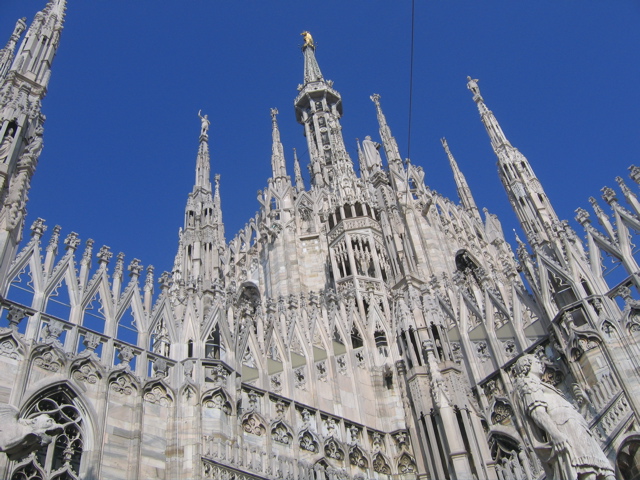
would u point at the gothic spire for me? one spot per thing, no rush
(203, 231)
(319, 108)
(7, 53)
(312, 71)
(40, 44)
(297, 172)
(203, 161)
(391, 149)
(525, 192)
(278, 164)
(464, 192)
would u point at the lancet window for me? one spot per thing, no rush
(213, 347)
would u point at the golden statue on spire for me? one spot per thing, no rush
(308, 40)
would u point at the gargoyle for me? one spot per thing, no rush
(20, 437)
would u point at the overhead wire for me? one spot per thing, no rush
(413, 16)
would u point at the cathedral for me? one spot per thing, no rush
(359, 327)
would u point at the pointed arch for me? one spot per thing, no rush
(67, 454)
(219, 399)
(93, 313)
(22, 286)
(281, 432)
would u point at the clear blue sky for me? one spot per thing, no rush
(122, 129)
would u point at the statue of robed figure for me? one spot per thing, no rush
(560, 434)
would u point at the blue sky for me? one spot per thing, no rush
(122, 129)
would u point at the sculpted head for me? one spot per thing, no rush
(528, 364)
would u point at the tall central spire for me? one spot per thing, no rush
(319, 108)
(312, 71)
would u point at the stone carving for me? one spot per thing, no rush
(321, 368)
(122, 385)
(85, 373)
(204, 123)
(276, 383)
(380, 465)
(371, 152)
(252, 424)
(354, 433)
(402, 440)
(406, 465)
(281, 434)
(342, 364)
(48, 361)
(158, 395)
(570, 452)
(9, 349)
(91, 341)
(20, 437)
(307, 442)
(300, 378)
(218, 400)
(357, 457)
(333, 450)
(5, 146)
(501, 412)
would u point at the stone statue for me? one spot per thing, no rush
(205, 123)
(371, 152)
(308, 40)
(561, 436)
(5, 146)
(472, 84)
(20, 437)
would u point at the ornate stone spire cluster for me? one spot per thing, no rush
(367, 327)
(23, 85)
(318, 109)
(197, 263)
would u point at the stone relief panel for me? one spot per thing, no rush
(406, 465)
(122, 384)
(281, 433)
(158, 395)
(252, 423)
(217, 399)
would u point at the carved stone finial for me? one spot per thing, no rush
(38, 227)
(165, 281)
(126, 354)
(88, 250)
(609, 195)
(91, 341)
(134, 268)
(53, 241)
(161, 368)
(15, 315)
(582, 216)
(634, 173)
(104, 255)
(119, 269)
(72, 241)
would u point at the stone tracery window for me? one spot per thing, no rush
(61, 459)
